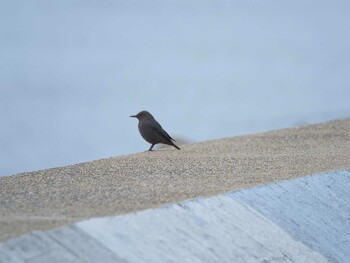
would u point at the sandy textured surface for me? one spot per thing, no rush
(50, 198)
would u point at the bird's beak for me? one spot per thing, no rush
(134, 116)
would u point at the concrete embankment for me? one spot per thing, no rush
(47, 199)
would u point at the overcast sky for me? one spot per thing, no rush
(72, 72)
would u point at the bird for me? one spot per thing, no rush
(152, 131)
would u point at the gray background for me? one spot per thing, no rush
(71, 72)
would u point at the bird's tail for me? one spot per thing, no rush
(177, 147)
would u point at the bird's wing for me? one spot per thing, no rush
(157, 128)
(168, 135)
(154, 125)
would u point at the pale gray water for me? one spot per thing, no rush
(71, 72)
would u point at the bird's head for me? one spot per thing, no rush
(143, 115)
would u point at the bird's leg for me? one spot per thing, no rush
(150, 149)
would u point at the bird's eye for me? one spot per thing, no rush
(140, 115)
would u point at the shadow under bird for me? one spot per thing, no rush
(151, 130)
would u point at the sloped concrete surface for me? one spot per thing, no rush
(314, 210)
(67, 244)
(217, 229)
(299, 220)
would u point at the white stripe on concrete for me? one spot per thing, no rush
(66, 244)
(216, 229)
(313, 209)
(282, 222)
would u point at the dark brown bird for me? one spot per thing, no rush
(151, 130)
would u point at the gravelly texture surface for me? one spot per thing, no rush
(50, 198)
